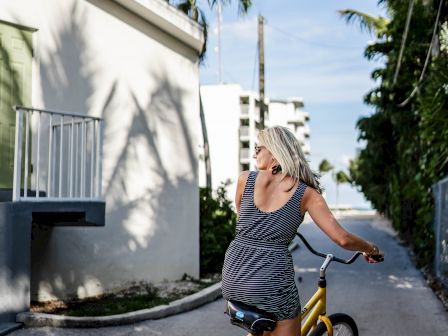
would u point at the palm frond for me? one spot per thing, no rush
(204, 24)
(243, 5)
(325, 166)
(377, 73)
(342, 177)
(377, 50)
(184, 6)
(369, 23)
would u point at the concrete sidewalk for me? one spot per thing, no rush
(389, 299)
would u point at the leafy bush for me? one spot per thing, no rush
(406, 138)
(217, 228)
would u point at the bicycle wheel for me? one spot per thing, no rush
(343, 325)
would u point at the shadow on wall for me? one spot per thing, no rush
(66, 78)
(67, 84)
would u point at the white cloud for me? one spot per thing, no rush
(321, 87)
(240, 31)
(344, 160)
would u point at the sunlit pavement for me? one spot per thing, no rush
(389, 299)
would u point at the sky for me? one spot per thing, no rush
(310, 52)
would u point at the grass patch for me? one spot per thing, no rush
(138, 296)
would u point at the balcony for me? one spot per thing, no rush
(244, 111)
(245, 155)
(67, 149)
(306, 115)
(244, 132)
(58, 167)
(56, 182)
(306, 130)
(306, 148)
(297, 119)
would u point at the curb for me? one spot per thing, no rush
(187, 303)
(8, 327)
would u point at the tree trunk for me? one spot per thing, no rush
(208, 167)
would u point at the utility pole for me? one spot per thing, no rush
(261, 68)
(218, 32)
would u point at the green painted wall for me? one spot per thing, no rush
(15, 89)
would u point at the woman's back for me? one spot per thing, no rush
(272, 192)
(272, 219)
(258, 268)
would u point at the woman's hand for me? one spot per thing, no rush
(375, 256)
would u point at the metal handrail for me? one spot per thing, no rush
(75, 137)
(65, 114)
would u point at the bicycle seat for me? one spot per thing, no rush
(252, 319)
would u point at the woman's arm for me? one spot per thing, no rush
(242, 179)
(314, 203)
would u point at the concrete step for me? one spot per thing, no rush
(7, 327)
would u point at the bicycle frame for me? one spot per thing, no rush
(316, 308)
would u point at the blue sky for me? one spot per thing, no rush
(309, 52)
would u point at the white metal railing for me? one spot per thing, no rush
(57, 156)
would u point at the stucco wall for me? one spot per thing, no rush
(99, 58)
(221, 105)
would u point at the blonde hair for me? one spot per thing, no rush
(285, 148)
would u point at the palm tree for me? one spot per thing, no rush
(190, 7)
(340, 177)
(373, 24)
(325, 166)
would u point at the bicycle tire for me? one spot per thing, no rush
(343, 325)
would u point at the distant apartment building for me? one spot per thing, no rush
(289, 113)
(232, 118)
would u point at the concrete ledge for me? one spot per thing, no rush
(7, 327)
(190, 302)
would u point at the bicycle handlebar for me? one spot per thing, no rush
(322, 255)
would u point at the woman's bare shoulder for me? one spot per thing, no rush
(310, 195)
(244, 175)
(242, 179)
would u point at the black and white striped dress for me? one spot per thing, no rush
(258, 268)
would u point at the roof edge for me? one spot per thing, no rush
(167, 18)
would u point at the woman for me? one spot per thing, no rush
(271, 203)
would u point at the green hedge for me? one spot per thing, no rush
(217, 228)
(406, 148)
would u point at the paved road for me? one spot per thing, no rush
(389, 299)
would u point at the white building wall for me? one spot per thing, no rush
(280, 113)
(226, 108)
(288, 113)
(252, 118)
(99, 58)
(222, 112)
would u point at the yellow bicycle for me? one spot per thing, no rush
(314, 318)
